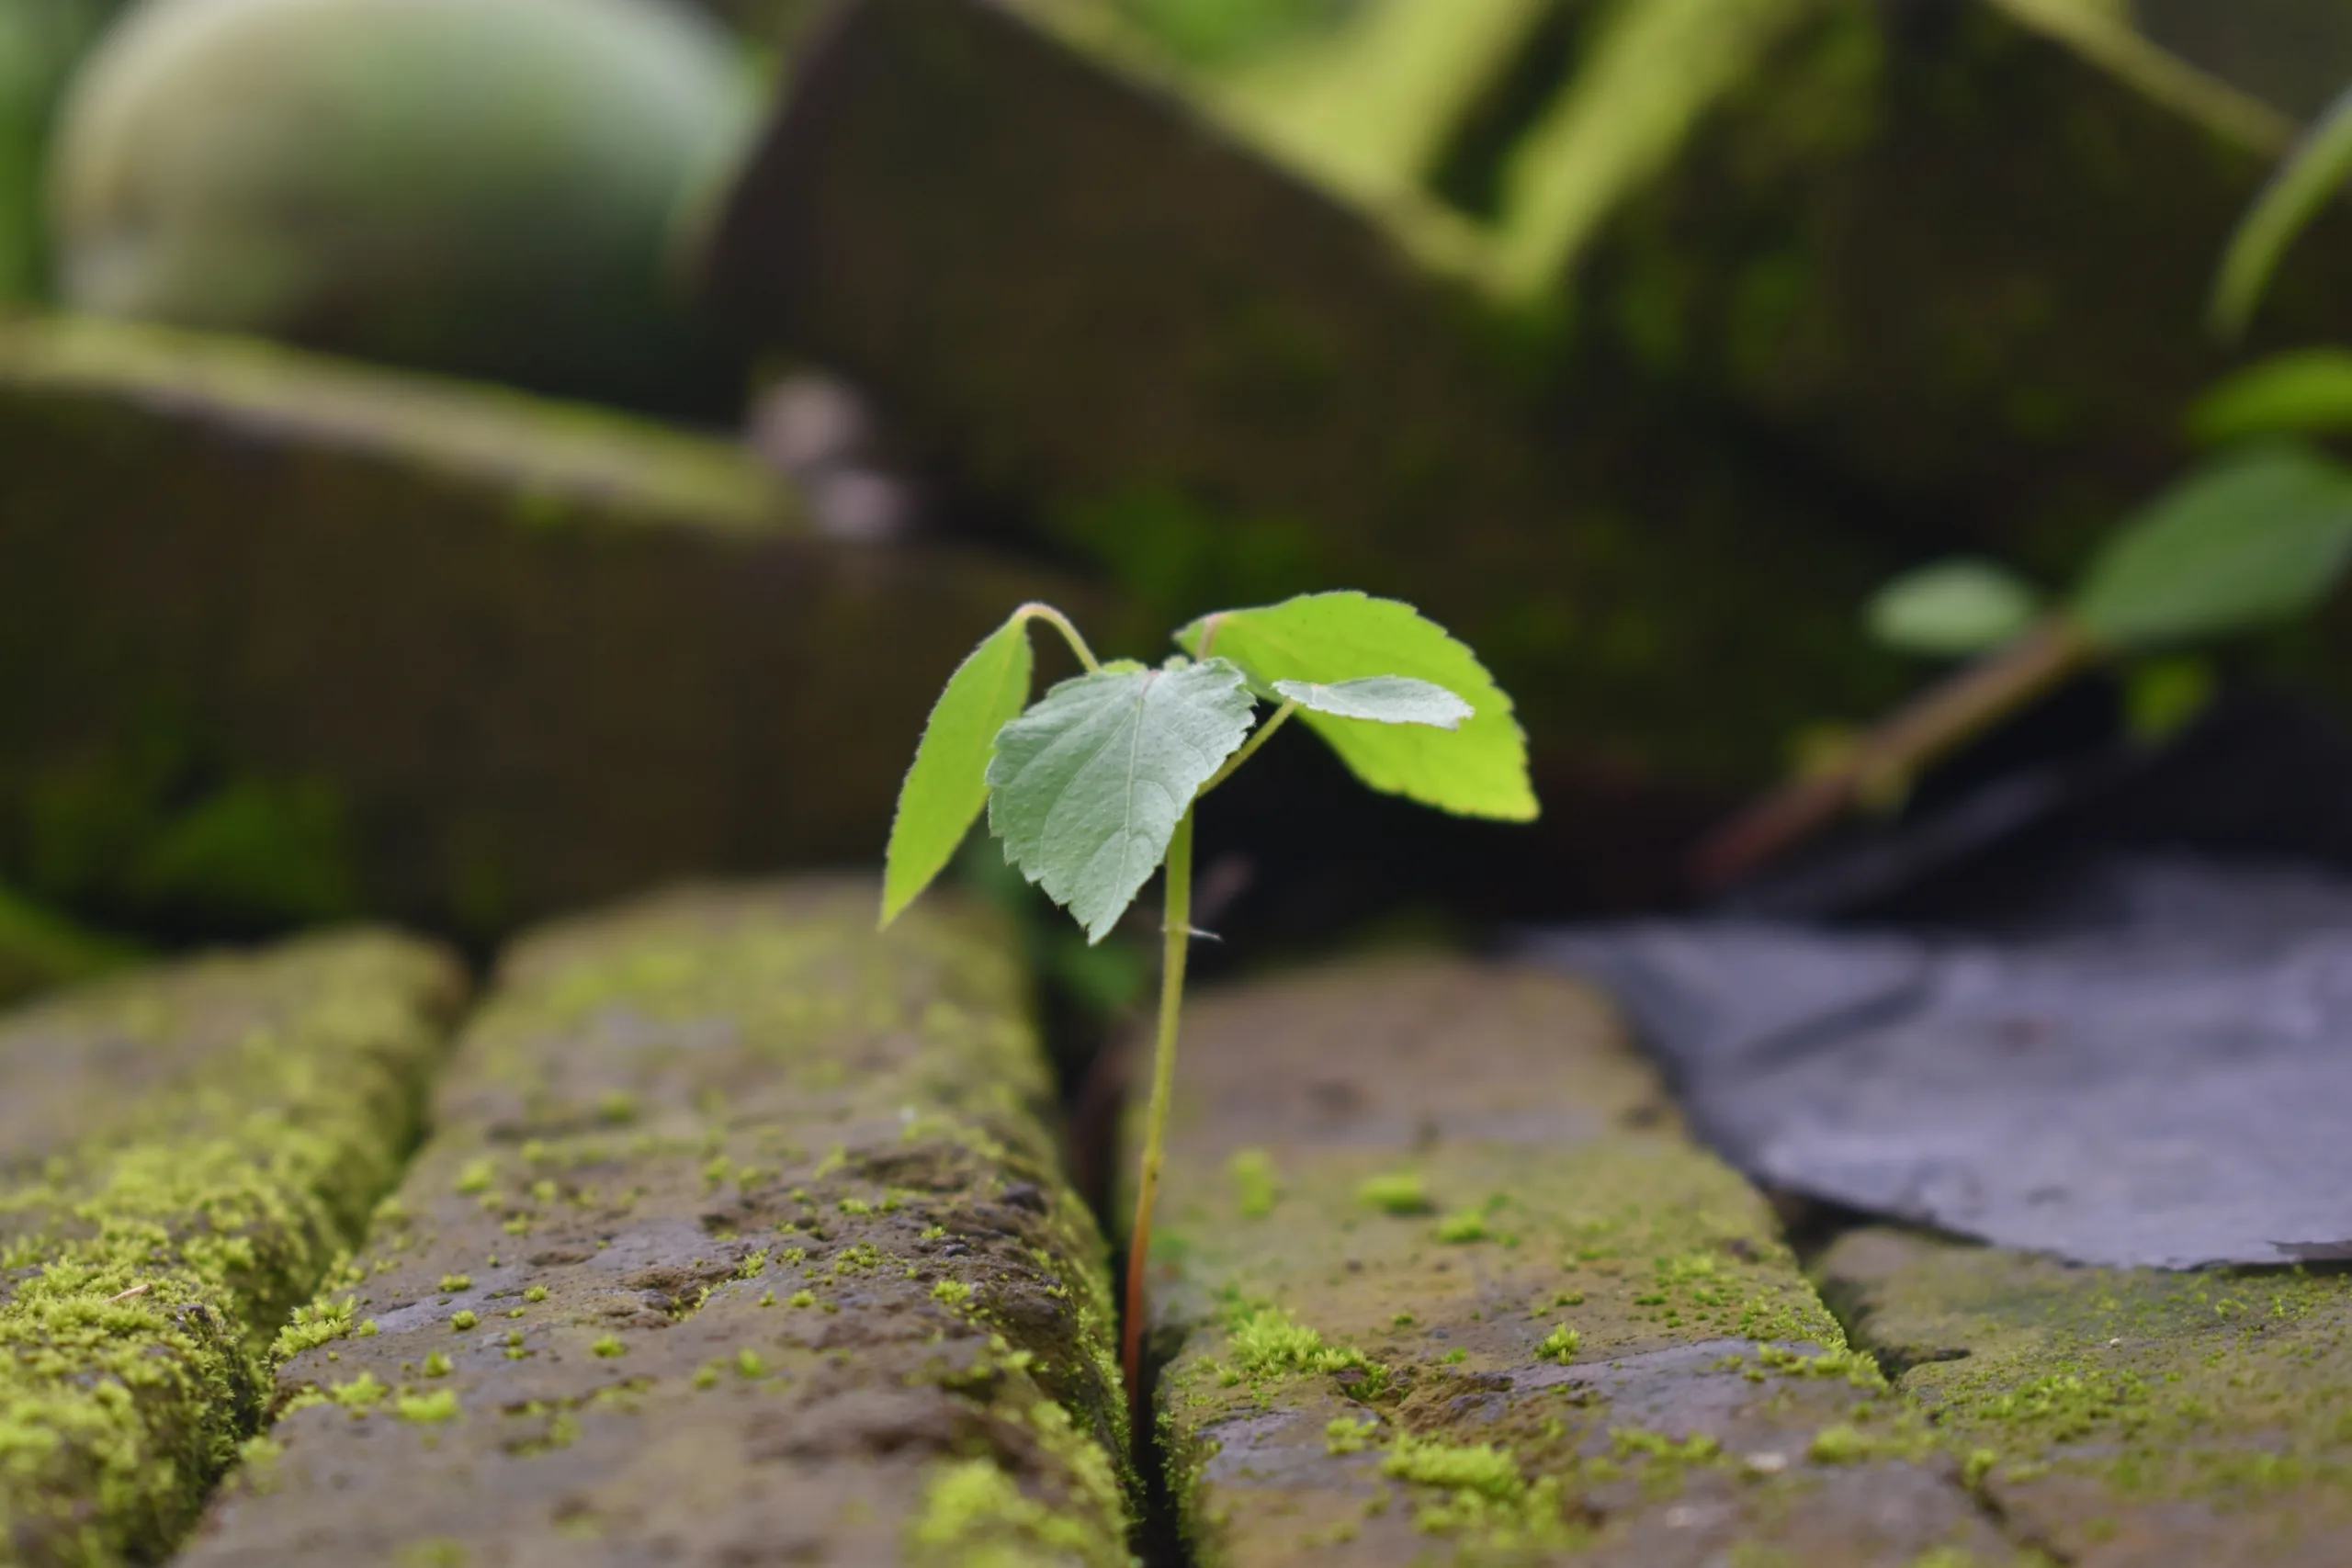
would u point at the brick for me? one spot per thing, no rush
(2121, 1416)
(184, 1153)
(1395, 1189)
(739, 1238)
(284, 638)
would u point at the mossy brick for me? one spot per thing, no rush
(1775, 293)
(282, 637)
(2121, 1416)
(1443, 1278)
(1252, 392)
(184, 1153)
(739, 1238)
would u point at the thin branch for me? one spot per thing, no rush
(1942, 718)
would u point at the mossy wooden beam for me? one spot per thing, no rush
(2121, 1416)
(184, 1153)
(283, 637)
(1443, 1275)
(740, 1237)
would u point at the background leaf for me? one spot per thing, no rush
(1480, 770)
(2244, 542)
(2311, 173)
(1089, 785)
(1381, 699)
(2306, 392)
(948, 783)
(1953, 609)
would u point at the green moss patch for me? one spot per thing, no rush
(190, 1151)
(754, 1216)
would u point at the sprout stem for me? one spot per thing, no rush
(1249, 748)
(1177, 932)
(1037, 610)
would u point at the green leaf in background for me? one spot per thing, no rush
(2311, 173)
(2244, 542)
(1953, 609)
(1480, 770)
(2306, 392)
(1381, 699)
(948, 783)
(1088, 785)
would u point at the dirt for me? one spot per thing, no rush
(740, 1240)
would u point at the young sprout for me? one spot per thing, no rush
(1093, 787)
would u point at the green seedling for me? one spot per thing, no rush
(1093, 788)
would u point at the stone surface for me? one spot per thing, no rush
(1396, 1190)
(184, 1153)
(740, 1240)
(1733, 338)
(281, 638)
(2121, 1417)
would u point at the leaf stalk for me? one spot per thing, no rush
(1038, 610)
(1177, 930)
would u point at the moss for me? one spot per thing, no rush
(1255, 1188)
(427, 1409)
(1399, 1192)
(148, 1268)
(1560, 1346)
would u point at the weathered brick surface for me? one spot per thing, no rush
(2122, 1418)
(740, 1240)
(1360, 1377)
(184, 1154)
(283, 637)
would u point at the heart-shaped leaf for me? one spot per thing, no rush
(1087, 786)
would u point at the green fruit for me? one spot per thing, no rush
(487, 188)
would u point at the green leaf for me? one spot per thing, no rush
(2249, 540)
(1381, 699)
(2306, 392)
(1953, 609)
(948, 783)
(2311, 173)
(1325, 639)
(1089, 785)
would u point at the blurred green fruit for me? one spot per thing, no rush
(487, 188)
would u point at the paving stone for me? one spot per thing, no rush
(283, 637)
(740, 1240)
(1443, 1276)
(184, 1153)
(2122, 1417)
